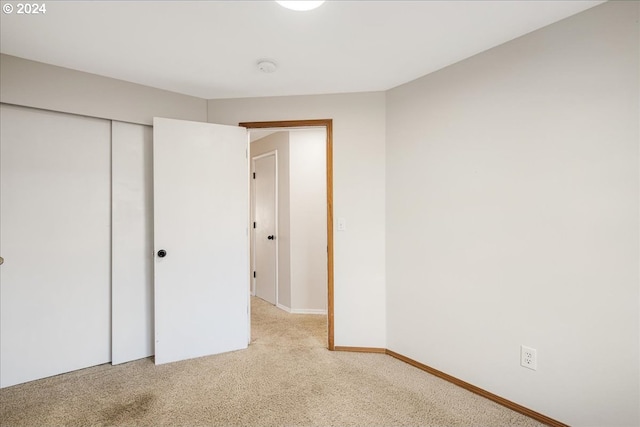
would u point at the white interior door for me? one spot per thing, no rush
(265, 236)
(55, 239)
(201, 196)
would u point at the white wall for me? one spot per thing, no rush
(513, 218)
(38, 85)
(308, 199)
(279, 142)
(359, 196)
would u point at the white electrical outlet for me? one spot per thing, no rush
(528, 357)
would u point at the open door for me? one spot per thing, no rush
(201, 268)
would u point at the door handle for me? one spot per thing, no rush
(162, 253)
(1, 260)
(272, 237)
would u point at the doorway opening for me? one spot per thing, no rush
(327, 125)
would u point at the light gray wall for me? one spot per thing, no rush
(308, 201)
(38, 85)
(359, 197)
(513, 218)
(279, 142)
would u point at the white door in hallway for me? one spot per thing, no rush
(201, 219)
(55, 294)
(265, 225)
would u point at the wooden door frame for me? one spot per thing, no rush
(328, 125)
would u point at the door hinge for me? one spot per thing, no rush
(254, 225)
(254, 175)
(254, 274)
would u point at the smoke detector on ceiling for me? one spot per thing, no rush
(300, 5)
(267, 66)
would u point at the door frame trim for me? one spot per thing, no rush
(328, 125)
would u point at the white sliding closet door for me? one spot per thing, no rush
(132, 242)
(55, 303)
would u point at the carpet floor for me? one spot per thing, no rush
(286, 377)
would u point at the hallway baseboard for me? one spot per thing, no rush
(301, 310)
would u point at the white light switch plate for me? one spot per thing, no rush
(342, 224)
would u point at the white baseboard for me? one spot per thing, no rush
(282, 307)
(308, 311)
(301, 310)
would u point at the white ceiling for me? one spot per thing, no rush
(209, 49)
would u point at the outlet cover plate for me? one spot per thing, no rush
(528, 357)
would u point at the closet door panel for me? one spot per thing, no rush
(132, 242)
(55, 227)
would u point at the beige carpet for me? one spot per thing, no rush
(286, 377)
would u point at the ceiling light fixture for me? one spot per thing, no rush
(300, 5)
